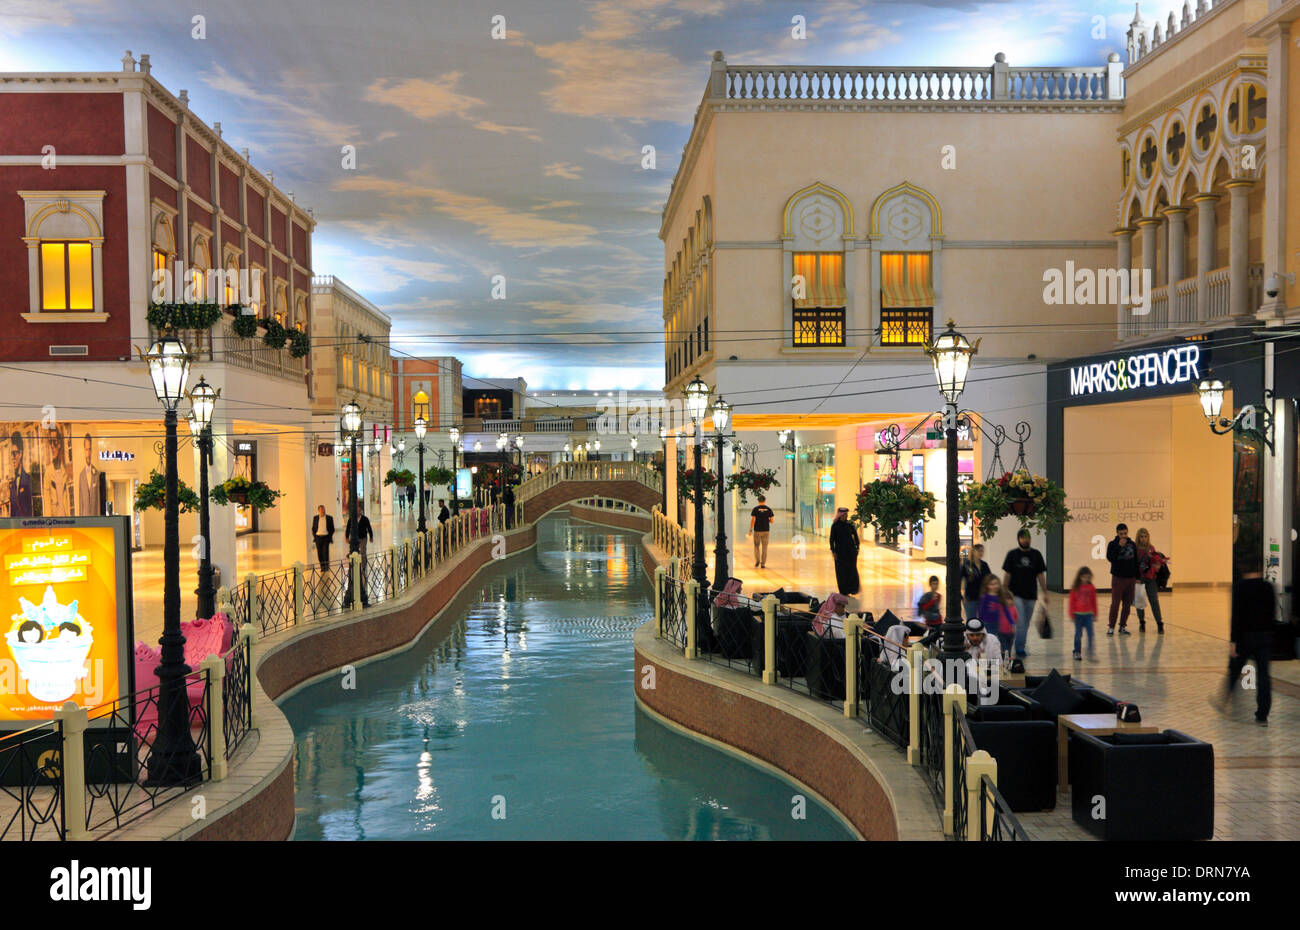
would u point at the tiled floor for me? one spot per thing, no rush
(1170, 677)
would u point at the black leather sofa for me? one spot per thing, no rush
(1157, 786)
(791, 650)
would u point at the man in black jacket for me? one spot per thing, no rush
(364, 536)
(322, 531)
(1254, 605)
(1122, 554)
(844, 549)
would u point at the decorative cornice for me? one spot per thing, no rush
(1242, 61)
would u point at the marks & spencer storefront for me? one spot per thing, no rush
(1130, 442)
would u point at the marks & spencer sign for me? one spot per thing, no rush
(1161, 368)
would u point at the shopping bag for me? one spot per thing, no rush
(1140, 595)
(1042, 622)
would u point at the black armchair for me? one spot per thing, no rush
(791, 652)
(1025, 751)
(1090, 701)
(1149, 786)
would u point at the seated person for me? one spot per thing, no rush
(830, 617)
(893, 651)
(983, 663)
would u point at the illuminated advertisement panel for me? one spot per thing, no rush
(464, 484)
(65, 606)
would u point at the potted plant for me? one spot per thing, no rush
(276, 335)
(173, 316)
(299, 343)
(402, 477)
(513, 473)
(152, 494)
(256, 494)
(752, 482)
(245, 324)
(892, 503)
(686, 484)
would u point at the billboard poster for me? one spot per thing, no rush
(49, 470)
(66, 607)
(464, 484)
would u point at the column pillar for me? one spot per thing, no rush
(1177, 245)
(670, 476)
(222, 519)
(1207, 239)
(1123, 264)
(1150, 227)
(1275, 180)
(1239, 247)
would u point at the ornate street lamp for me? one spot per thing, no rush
(503, 441)
(721, 414)
(1253, 420)
(174, 760)
(420, 428)
(203, 400)
(350, 425)
(697, 401)
(632, 442)
(951, 354)
(454, 434)
(566, 452)
(519, 444)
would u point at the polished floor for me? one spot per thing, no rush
(1170, 677)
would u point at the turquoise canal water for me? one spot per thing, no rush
(518, 722)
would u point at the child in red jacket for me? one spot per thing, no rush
(1083, 610)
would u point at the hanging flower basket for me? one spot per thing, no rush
(276, 335)
(438, 475)
(686, 485)
(239, 490)
(1037, 502)
(752, 482)
(198, 316)
(891, 504)
(299, 343)
(151, 495)
(402, 477)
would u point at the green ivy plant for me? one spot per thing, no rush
(245, 325)
(152, 495)
(173, 316)
(276, 335)
(259, 495)
(299, 343)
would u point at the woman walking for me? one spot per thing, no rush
(1150, 562)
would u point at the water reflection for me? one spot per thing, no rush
(527, 696)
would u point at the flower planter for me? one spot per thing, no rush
(238, 497)
(1022, 506)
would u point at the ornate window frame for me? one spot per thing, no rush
(819, 218)
(890, 234)
(63, 215)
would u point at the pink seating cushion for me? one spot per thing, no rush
(205, 638)
(146, 661)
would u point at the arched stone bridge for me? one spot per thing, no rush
(630, 482)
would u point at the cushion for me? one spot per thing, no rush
(203, 638)
(1139, 739)
(1056, 695)
(887, 619)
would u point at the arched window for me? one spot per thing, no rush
(64, 235)
(906, 232)
(200, 266)
(818, 231)
(300, 314)
(281, 302)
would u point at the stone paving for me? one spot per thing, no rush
(1170, 677)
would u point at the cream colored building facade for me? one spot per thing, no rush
(901, 197)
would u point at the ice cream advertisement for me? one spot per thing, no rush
(60, 616)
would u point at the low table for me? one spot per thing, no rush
(1097, 725)
(1007, 680)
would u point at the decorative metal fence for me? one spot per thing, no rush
(673, 609)
(884, 705)
(932, 738)
(323, 589)
(997, 823)
(128, 773)
(962, 746)
(239, 604)
(236, 694)
(378, 576)
(31, 784)
(275, 607)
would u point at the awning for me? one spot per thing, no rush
(905, 280)
(823, 274)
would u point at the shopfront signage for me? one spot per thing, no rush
(1162, 368)
(325, 449)
(115, 455)
(245, 447)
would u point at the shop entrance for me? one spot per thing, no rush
(121, 500)
(244, 465)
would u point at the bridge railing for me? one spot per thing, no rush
(589, 471)
(675, 541)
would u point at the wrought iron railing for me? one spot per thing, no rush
(238, 612)
(236, 694)
(31, 784)
(932, 739)
(962, 746)
(996, 821)
(127, 773)
(674, 609)
(275, 601)
(883, 705)
(323, 589)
